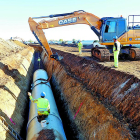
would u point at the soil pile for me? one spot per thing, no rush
(15, 72)
(130, 67)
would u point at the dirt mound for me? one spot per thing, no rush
(130, 67)
(15, 71)
(8, 48)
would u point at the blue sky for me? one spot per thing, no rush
(14, 16)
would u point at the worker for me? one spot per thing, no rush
(116, 50)
(43, 106)
(80, 46)
(39, 61)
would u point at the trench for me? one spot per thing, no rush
(70, 128)
(105, 107)
(36, 65)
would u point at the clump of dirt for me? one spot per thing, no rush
(47, 134)
(15, 72)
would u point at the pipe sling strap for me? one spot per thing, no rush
(45, 82)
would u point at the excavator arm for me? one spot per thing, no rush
(59, 20)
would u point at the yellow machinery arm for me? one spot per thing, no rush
(77, 17)
(39, 34)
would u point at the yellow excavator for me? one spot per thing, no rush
(105, 28)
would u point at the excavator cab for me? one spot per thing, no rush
(112, 27)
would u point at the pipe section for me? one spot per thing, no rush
(54, 126)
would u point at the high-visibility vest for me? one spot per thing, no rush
(38, 59)
(116, 46)
(42, 103)
(80, 45)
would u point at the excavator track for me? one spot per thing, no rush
(101, 53)
(135, 54)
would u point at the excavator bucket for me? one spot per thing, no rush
(56, 56)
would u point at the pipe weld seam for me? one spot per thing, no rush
(41, 83)
(30, 122)
(40, 79)
(56, 116)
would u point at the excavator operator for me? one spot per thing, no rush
(43, 106)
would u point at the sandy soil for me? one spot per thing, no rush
(15, 73)
(130, 67)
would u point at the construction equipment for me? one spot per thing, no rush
(105, 28)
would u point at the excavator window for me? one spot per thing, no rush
(110, 27)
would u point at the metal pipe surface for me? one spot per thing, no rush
(34, 128)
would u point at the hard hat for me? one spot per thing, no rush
(43, 94)
(115, 37)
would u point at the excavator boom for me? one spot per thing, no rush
(79, 17)
(59, 20)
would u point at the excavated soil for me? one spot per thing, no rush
(15, 72)
(127, 66)
(46, 134)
